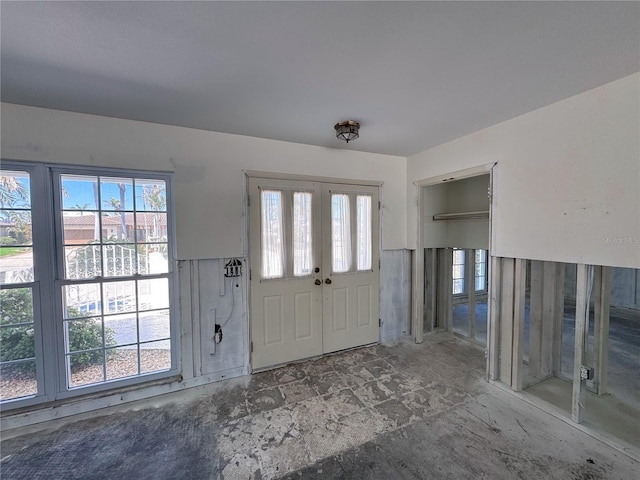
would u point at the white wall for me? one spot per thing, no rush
(567, 184)
(208, 168)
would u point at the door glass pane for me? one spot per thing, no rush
(364, 231)
(272, 234)
(340, 233)
(302, 244)
(16, 253)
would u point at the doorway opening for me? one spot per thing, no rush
(455, 231)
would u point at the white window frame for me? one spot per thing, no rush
(48, 252)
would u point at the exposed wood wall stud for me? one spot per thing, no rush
(582, 329)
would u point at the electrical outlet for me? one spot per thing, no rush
(586, 373)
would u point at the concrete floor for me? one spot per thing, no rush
(403, 411)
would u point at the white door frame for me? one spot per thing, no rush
(249, 174)
(418, 257)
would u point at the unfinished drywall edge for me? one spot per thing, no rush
(79, 406)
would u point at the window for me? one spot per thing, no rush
(351, 232)
(95, 302)
(272, 234)
(364, 232)
(18, 318)
(340, 233)
(302, 244)
(458, 271)
(479, 268)
(481, 271)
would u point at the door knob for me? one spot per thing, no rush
(328, 281)
(318, 281)
(317, 269)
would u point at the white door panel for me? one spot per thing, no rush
(314, 269)
(350, 256)
(286, 304)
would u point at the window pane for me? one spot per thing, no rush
(79, 192)
(16, 265)
(119, 260)
(119, 297)
(83, 262)
(83, 300)
(153, 294)
(18, 380)
(85, 368)
(153, 258)
(458, 271)
(154, 326)
(121, 330)
(17, 344)
(15, 190)
(155, 356)
(122, 362)
(151, 195)
(340, 233)
(85, 350)
(364, 232)
(80, 228)
(149, 227)
(85, 335)
(302, 243)
(116, 193)
(272, 234)
(481, 270)
(15, 228)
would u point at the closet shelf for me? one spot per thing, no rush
(481, 215)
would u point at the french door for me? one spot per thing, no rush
(314, 268)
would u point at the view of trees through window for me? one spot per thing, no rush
(112, 273)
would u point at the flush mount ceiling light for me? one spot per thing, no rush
(347, 130)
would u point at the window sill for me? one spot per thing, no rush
(88, 396)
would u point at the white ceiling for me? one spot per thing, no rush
(415, 74)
